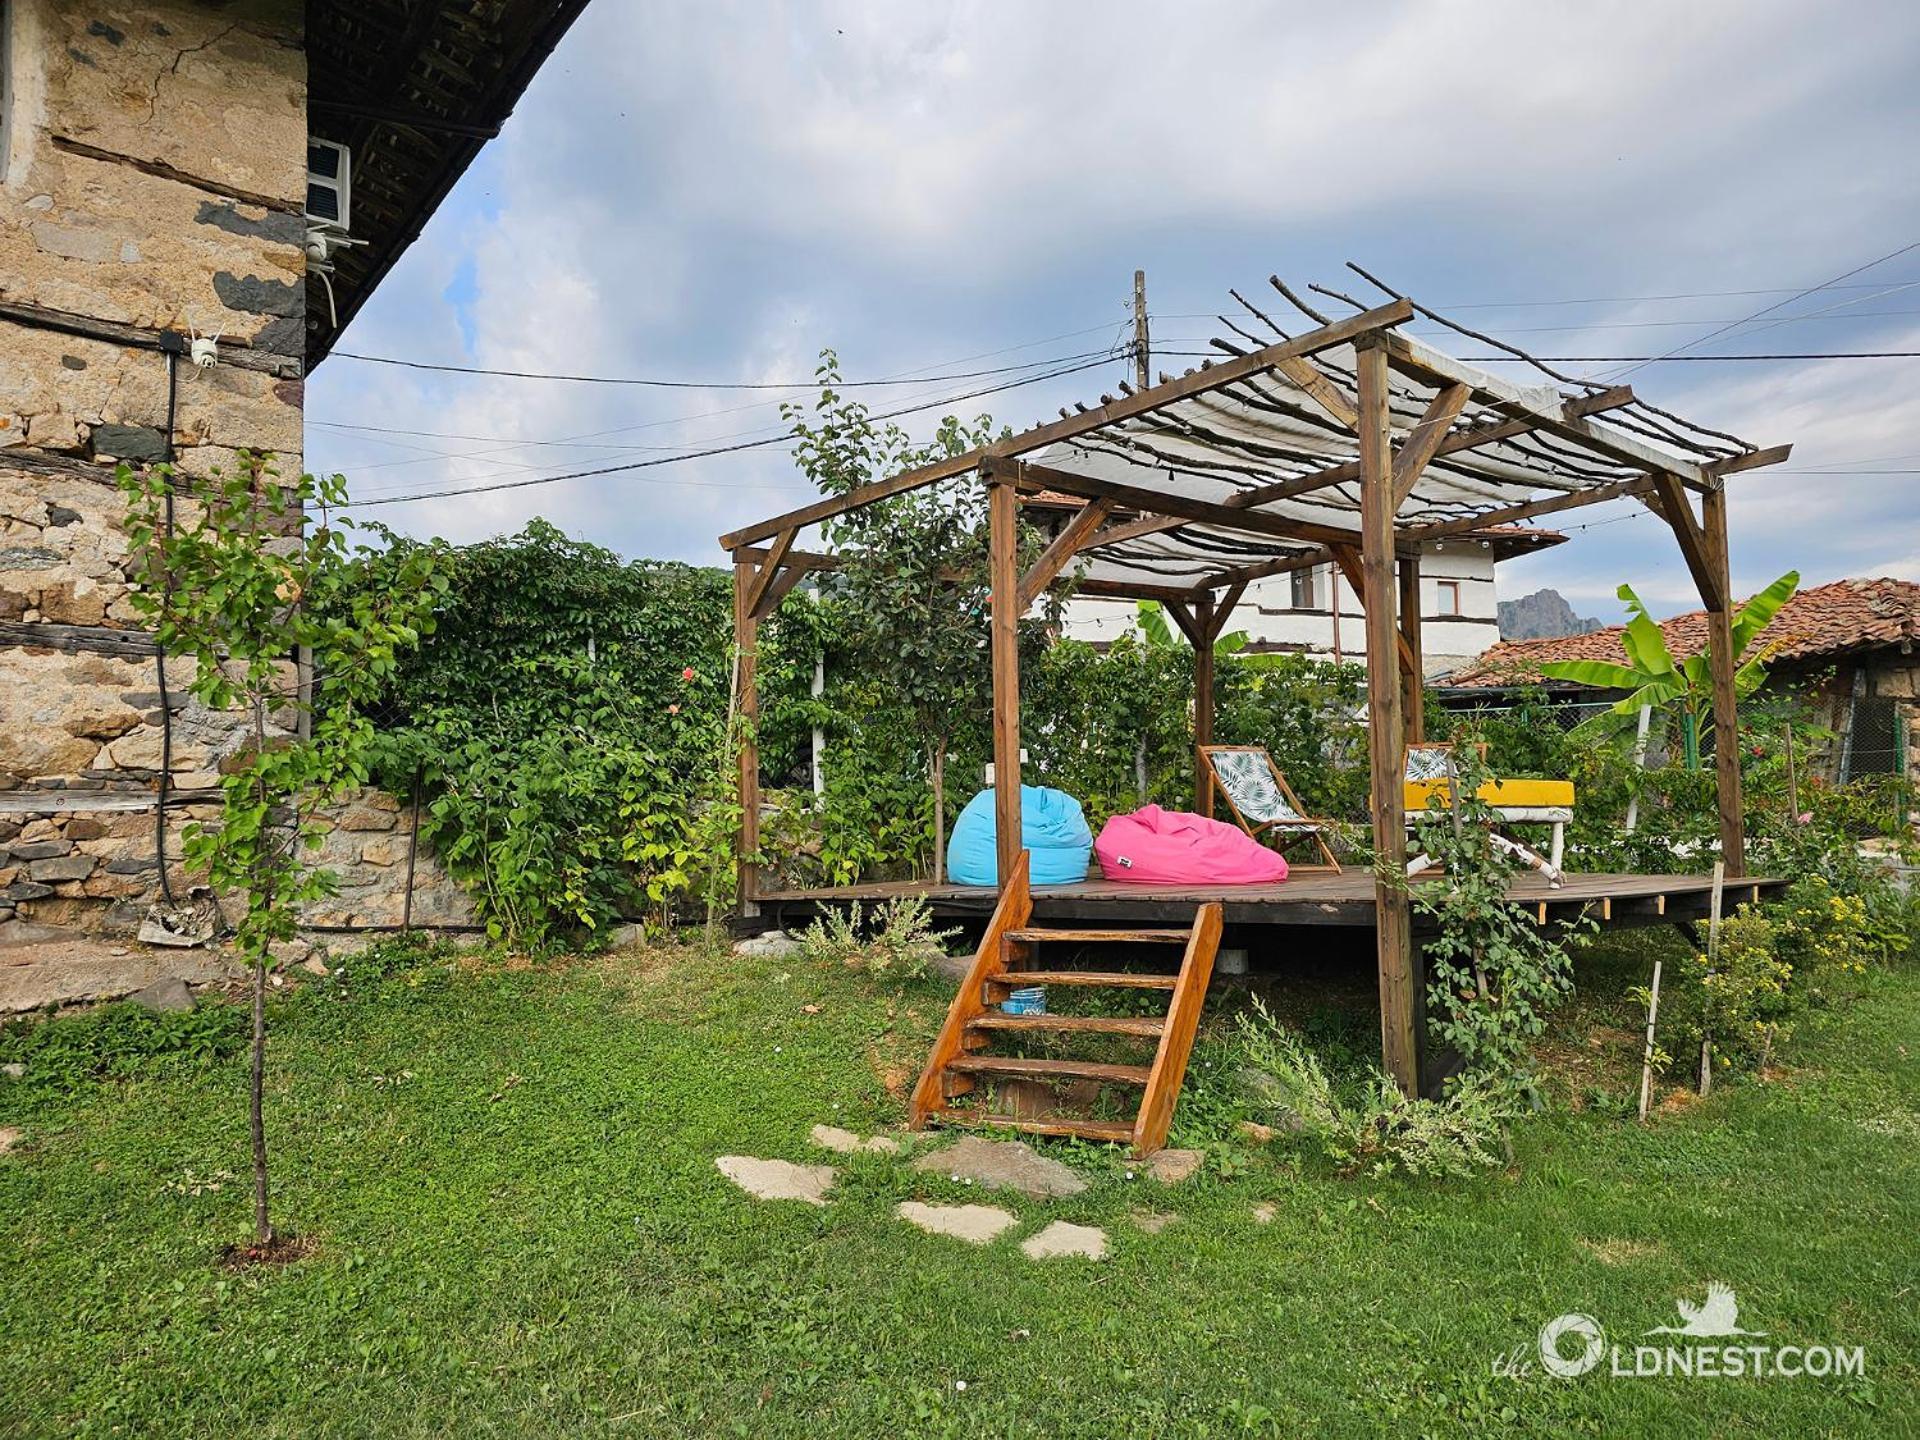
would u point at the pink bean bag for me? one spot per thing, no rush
(1171, 847)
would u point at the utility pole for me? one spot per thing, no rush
(1142, 360)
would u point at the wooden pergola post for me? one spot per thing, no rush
(1386, 738)
(1004, 567)
(1722, 665)
(1413, 697)
(1204, 627)
(746, 636)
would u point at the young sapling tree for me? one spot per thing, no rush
(236, 574)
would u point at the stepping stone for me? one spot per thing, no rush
(845, 1142)
(1264, 1213)
(1003, 1165)
(1170, 1167)
(12, 1135)
(1062, 1238)
(770, 944)
(1153, 1224)
(778, 1179)
(166, 996)
(975, 1224)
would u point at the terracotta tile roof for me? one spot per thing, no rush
(1826, 620)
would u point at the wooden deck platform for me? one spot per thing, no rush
(1308, 898)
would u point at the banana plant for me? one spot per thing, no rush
(1653, 677)
(1159, 635)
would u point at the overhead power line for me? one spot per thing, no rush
(1645, 359)
(762, 443)
(662, 384)
(1777, 305)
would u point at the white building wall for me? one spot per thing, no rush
(1458, 572)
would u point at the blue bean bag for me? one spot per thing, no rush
(1052, 828)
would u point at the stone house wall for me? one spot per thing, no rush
(152, 183)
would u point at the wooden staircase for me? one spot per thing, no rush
(960, 1061)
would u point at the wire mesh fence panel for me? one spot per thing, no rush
(1876, 747)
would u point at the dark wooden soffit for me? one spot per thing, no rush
(413, 88)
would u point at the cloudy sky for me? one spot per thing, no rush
(713, 193)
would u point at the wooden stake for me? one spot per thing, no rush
(1646, 1061)
(1793, 781)
(1713, 958)
(1386, 739)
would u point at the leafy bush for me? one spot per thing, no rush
(123, 1041)
(1493, 973)
(1381, 1131)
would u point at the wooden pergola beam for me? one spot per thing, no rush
(1214, 377)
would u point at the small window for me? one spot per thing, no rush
(1447, 593)
(1303, 590)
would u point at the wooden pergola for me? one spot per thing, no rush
(1350, 443)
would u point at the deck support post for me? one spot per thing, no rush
(1385, 728)
(1003, 544)
(746, 636)
(1413, 699)
(1722, 665)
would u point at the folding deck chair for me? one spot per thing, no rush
(1430, 771)
(1259, 798)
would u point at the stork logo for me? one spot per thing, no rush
(1719, 1315)
(1571, 1345)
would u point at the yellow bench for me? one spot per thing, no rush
(1500, 794)
(1517, 802)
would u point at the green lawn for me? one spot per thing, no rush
(520, 1230)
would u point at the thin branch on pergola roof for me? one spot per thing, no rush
(1247, 466)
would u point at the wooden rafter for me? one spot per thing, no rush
(1352, 566)
(1543, 407)
(769, 568)
(1668, 500)
(1215, 377)
(1180, 507)
(1068, 543)
(1423, 441)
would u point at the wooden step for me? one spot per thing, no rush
(1029, 1068)
(1043, 935)
(1150, 1026)
(1120, 979)
(1116, 1132)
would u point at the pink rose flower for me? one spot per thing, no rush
(687, 674)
